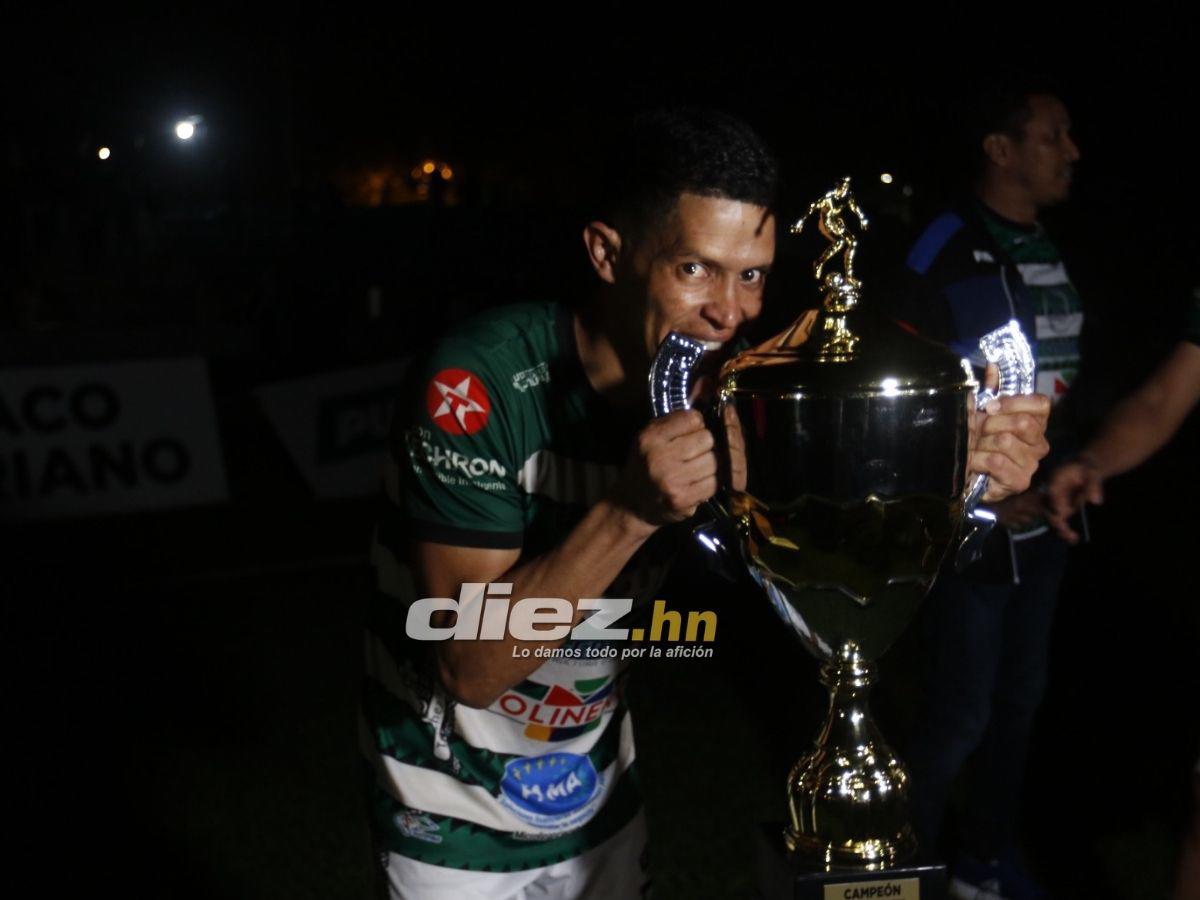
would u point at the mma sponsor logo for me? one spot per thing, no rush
(553, 791)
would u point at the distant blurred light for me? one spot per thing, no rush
(907, 190)
(429, 168)
(104, 153)
(185, 130)
(447, 173)
(886, 178)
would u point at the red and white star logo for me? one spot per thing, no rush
(458, 402)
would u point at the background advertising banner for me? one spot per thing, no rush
(335, 424)
(108, 438)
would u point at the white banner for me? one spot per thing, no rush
(335, 425)
(108, 438)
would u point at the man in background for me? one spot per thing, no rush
(1137, 428)
(974, 268)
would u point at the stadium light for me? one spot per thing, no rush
(188, 128)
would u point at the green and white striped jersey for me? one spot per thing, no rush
(500, 442)
(1057, 308)
(1058, 318)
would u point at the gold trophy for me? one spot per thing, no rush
(855, 434)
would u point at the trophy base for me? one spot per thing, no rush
(781, 876)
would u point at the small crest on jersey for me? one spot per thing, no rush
(532, 377)
(417, 826)
(458, 402)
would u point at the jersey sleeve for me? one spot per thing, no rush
(452, 471)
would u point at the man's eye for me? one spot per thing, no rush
(753, 276)
(692, 269)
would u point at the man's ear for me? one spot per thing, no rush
(998, 149)
(603, 245)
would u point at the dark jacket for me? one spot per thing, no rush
(957, 285)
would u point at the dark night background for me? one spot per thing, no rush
(180, 684)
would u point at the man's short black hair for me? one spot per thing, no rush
(669, 152)
(1002, 107)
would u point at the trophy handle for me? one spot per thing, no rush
(671, 373)
(670, 387)
(1010, 351)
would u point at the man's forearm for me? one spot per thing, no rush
(1130, 436)
(582, 566)
(1146, 420)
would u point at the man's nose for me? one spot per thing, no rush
(722, 310)
(1072, 150)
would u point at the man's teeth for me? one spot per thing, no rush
(713, 345)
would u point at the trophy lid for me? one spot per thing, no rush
(839, 348)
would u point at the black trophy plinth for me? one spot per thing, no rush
(780, 878)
